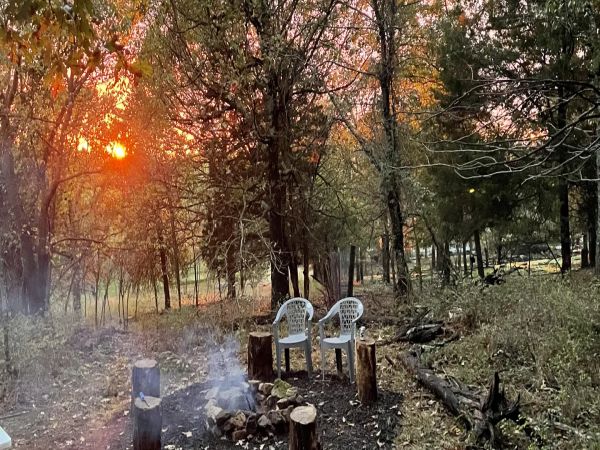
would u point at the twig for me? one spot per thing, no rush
(10, 416)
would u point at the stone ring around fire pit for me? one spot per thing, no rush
(248, 409)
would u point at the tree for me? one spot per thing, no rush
(530, 73)
(259, 69)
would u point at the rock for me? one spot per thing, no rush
(284, 403)
(222, 417)
(238, 435)
(263, 422)
(265, 388)
(212, 410)
(277, 420)
(259, 397)
(238, 420)
(280, 388)
(275, 417)
(252, 424)
(271, 401)
(291, 392)
(216, 431)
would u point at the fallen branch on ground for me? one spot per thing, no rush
(477, 412)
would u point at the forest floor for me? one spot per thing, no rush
(542, 333)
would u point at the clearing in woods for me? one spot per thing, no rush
(541, 335)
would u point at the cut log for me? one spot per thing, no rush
(303, 429)
(145, 377)
(260, 356)
(366, 371)
(147, 424)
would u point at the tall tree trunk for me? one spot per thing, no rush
(565, 231)
(466, 268)
(418, 255)
(77, 277)
(351, 271)
(196, 291)
(175, 245)
(592, 219)
(230, 271)
(162, 253)
(478, 255)
(595, 229)
(385, 257)
(278, 144)
(585, 262)
(433, 260)
(294, 275)
(446, 263)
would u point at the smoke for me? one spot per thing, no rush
(226, 373)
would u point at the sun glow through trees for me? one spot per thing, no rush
(116, 150)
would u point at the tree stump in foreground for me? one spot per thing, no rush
(303, 429)
(260, 356)
(147, 423)
(366, 372)
(145, 378)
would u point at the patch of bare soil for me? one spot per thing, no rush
(343, 421)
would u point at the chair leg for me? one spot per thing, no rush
(307, 352)
(351, 361)
(323, 363)
(278, 352)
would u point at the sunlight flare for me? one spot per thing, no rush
(116, 150)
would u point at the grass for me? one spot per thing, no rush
(543, 334)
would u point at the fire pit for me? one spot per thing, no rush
(242, 410)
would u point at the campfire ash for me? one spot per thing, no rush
(241, 409)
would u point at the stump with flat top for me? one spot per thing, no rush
(147, 423)
(366, 372)
(145, 377)
(303, 429)
(260, 356)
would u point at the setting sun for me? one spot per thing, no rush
(116, 150)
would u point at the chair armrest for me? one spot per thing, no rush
(279, 316)
(328, 316)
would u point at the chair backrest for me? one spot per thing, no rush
(296, 310)
(349, 309)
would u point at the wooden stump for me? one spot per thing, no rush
(366, 372)
(260, 356)
(147, 424)
(145, 378)
(303, 429)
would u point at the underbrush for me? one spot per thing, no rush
(543, 335)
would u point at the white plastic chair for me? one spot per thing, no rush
(296, 311)
(349, 309)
